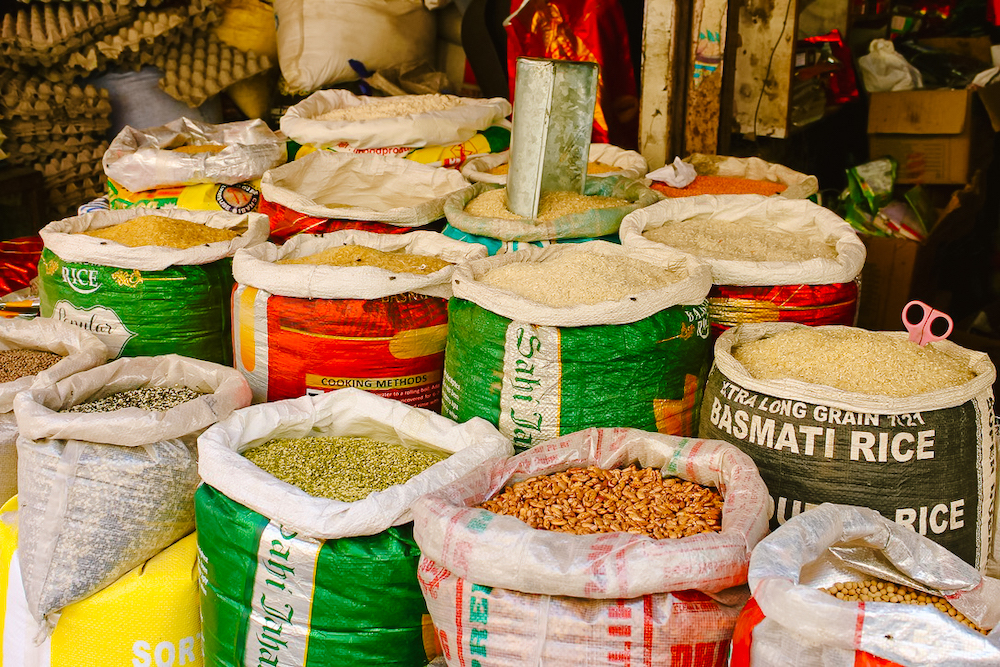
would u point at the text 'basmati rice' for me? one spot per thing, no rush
(157, 230)
(357, 255)
(551, 205)
(747, 239)
(580, 277)
(854, 360)
(342, 468)
(391, 107)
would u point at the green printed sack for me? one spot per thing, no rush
(538, 372)
(292, 579)
(145, 300)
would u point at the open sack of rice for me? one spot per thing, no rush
(305, 532)
(433, 129)
(346, 309)
(610, 545)
(479, 214)
(192, 165)
(549, 341)
(147, 617)
(604, 160)
(37, 351)
(840, 586)
(316, 193)
(147, 281)
(844, 415)
(727, 175)
(107, 469)
(772, 259)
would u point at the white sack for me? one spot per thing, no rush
(629, 164)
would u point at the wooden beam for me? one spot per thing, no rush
(764, 62)
(658, 99)
(702, 103)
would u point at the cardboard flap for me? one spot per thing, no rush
(918, 112)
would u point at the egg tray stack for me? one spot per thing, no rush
(58, 129)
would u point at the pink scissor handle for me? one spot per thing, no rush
(925, 324)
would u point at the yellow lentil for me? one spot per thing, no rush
(357, 255)
(204, 148)
(592, 168)
(158, 230)
(551, 205)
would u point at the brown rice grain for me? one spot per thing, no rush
(158, 230)
(357, 255)
(15, 364)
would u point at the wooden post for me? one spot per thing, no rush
(764, 65)
(658, 126)
(703, 100)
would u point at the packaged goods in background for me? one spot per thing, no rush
(101, 492)
(147, 300)
(604, 160)
(299, 579)
(571, 599)
(41, 351)
(756, 276)
(146, 618)
(365, 188)
(728, 175)
(926, 461)
(538, 371)
(302, 328)
(793, 621)
(577, 220)
(183, 153)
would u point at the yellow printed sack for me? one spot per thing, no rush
(239, 198)
(148, 618)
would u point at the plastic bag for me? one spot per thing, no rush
(678, 174)
(521, 596)
(145, 159)
(882, 69)
(448, 126)
(374, 188)
(100, 493)
(791, 623)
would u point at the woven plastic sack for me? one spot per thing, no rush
(790, 623)
(306, 329)
(147, 300)
(817, 291)
(539, 372)
(99, 493)
(148, 617)
(589, 223)
(433, 128)
(81, 350)
(286, 223)
(798, 185)
(145, 159)
(238, 198)
(372, 188)
(503, 593)
(927, 461)
(498, 247)
(629, 164)
(336, 581)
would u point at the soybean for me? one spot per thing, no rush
(152, 399)
(877, 590)
(15, 364)
(342, 468)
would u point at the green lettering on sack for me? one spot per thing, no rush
(477, 641)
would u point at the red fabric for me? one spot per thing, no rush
(814, 305)
(19, 262)
(841, 84)
(583, 31)
(749, 618)
(286, 223)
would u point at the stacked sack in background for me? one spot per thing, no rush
(107, 469)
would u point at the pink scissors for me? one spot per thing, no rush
(925, 324)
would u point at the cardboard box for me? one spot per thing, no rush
(898, 270)
(936, 136)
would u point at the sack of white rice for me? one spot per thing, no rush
(372, 188)
(114, 626)
(188, 152)
(307, 552)
(482, 210)
(604, 160)
(346, 309)
(540, 559)
(727, 175)
(548, 341)
(772, 259)
(147, 281)
(842, 585)
(848, 416)
(37, 351)
(439, 130)
(107, 469)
